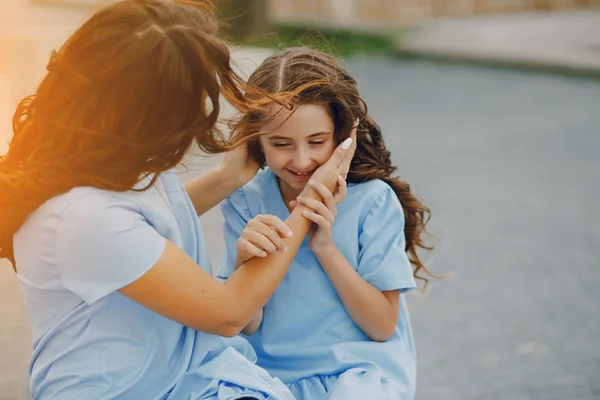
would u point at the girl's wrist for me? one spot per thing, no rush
(325, 252)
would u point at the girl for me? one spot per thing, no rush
(104, 236)
(337, 326)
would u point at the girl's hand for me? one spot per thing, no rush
(322, 214)
(338, 163)
(345, 167)
(238, 165)
(263, 234)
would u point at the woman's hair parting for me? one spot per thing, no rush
(124, 98)
(315, 77)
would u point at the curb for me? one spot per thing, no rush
(499, 61)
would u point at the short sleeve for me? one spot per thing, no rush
(382, 259)
(104, 243)
(235, 217)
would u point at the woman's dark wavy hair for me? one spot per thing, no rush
(316, 77)
(124, 98)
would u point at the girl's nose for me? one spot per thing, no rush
(301, 160)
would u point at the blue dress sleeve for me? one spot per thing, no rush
(382, 259)
(104, 243)
(235, 217)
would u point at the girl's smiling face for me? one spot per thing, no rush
(296, 147)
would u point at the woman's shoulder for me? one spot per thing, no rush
(83, 201)
(80, 206)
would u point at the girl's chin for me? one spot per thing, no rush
(293, 185)
(296, 186)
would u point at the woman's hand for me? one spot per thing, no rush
(263, 234)
(238, 165)
(322, 214)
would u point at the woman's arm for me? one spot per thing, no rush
(212, 187)
(375, 312)
(209, 189)
(254, 323)
(176, 288)
(262, 235)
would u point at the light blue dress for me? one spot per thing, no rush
(90, 342)
(307, 339)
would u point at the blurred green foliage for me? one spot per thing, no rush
(336, 42)
(246, 23)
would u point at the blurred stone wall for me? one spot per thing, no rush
(29, 30)
(376, 15)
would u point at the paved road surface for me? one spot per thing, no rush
(509, 162)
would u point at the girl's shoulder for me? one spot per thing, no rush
(262, 182)
(370, 192)
(254, 196)
(261, 187)
(373, 197)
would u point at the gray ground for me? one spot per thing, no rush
(509, 163)
(510, 166)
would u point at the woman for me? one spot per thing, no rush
(103, 235)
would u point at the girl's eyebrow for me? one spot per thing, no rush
(310, 136)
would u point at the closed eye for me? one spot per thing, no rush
(280, 145)
(316, 142)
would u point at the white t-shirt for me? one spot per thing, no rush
(90, 342)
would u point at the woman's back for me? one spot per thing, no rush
(90, 340)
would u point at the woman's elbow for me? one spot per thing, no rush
(229, 329)
(228, 324)
(249, 329)
(253, 325)
(383, 334)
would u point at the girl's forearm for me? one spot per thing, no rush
(368, 307)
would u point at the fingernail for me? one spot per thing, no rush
(346, 144)
(312, 183)
(284, 250)
(290, 234)
(356, 122)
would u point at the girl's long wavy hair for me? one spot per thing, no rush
(315, 77)
(124, 98)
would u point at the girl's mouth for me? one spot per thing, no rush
(300, 175)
